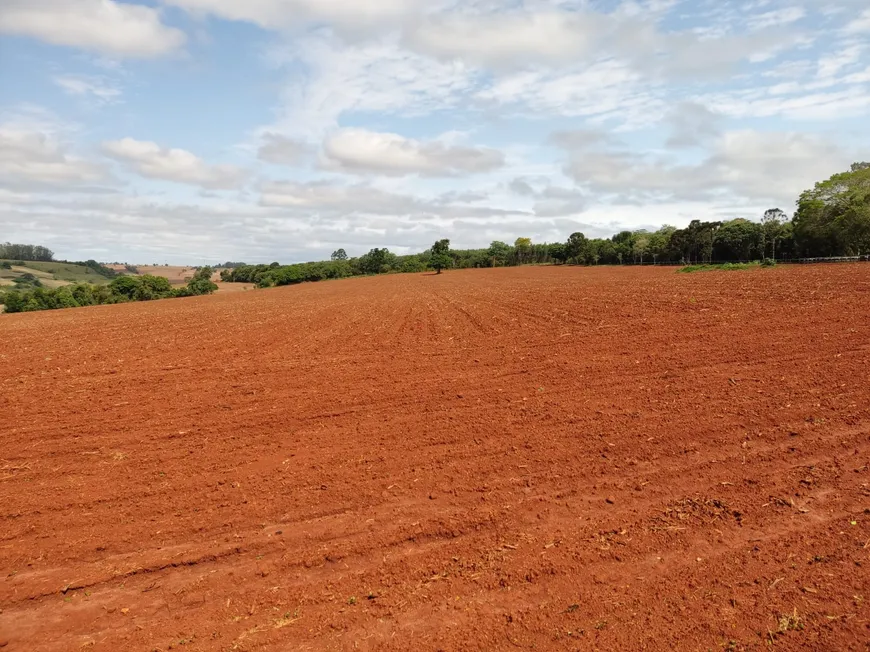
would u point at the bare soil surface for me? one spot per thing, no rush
(534, 458)
(232, 287)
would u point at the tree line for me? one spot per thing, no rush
(120, 290)
(26, 252)
(21, 254)
(832, 219)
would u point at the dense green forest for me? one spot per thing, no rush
(121, 290)
(832, 219)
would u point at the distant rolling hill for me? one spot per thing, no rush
(49, 274)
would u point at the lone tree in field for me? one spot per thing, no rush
(440, 258)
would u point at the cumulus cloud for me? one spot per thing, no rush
(178, 165)
(519, 40)
(365, 152)
(34, 159)
(106, 26)
(742, 165)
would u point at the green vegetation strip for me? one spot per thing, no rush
(121, 290)
(726, 267)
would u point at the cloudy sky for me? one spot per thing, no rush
(189, 131)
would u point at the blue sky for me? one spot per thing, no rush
(190, 131)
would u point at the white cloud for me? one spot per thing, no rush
(366, 152)
(801, 105)
(741, 166)
(518, 38)
(692, 125)
(339, 201)
(831, 64)
(331, 197)
(775, 165)
(282, 150)
(782, 16)
(32, 159)
(155, 162)
(349, 15)
(90, 87)
(522, 40)
(859, 25)
(106, 26)
(555, 201)
(374, 77)
(601, 90)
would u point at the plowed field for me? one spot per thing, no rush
(535, 458)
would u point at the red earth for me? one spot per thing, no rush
(535, 458)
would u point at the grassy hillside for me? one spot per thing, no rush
(50, 274)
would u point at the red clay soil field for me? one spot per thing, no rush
(536, 458)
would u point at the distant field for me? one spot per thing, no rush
(176, 274)
(51, 275)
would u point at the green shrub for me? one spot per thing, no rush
(125, 286)
(152, 287)
(200, 284)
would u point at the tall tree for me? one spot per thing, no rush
(576, 246)
(339, 254)
(440, 255)
(833, 219)
(771, 229)
(498, 253)
(523, 247)
(377, 261)
(641, 245)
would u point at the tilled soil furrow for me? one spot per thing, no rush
(548, 458)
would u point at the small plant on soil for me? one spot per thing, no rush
(790, 622)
